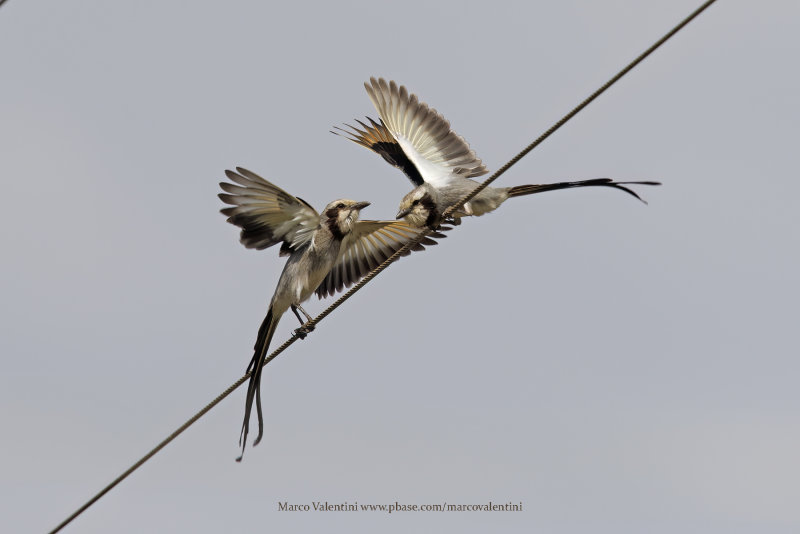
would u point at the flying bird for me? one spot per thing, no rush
(418, 140)
(326, 253)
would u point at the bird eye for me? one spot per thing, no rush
(416, 201)
(340, 205)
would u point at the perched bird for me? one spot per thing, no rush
(327, 252)
(418, 140)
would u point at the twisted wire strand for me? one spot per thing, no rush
(372, 274)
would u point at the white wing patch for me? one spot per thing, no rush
(424, 135)
(436, 174)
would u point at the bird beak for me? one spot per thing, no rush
(403, 213)
(359, 206)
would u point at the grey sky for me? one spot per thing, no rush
(615, 367)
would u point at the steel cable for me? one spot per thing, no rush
(372, 274)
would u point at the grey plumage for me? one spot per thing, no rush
(419, 141)
(326, 253)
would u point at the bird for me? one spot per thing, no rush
(418, 140)
(326, 253)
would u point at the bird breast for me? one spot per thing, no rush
(304, 272)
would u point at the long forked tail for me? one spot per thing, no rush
(602, 182)
(265, 333)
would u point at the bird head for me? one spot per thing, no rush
(420, 207)
(343, 214)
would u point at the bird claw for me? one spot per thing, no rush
(303, 331)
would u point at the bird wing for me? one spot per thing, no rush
(439, 154)
(266, 213)
(380, 140)
(368, 245)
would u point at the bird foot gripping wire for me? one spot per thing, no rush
(306, 327)
(451, 220)
(303, 331)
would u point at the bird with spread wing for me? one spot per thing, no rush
(326, 252)
(418, 140)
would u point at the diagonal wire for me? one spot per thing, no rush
(372, 274)
(579, 107)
